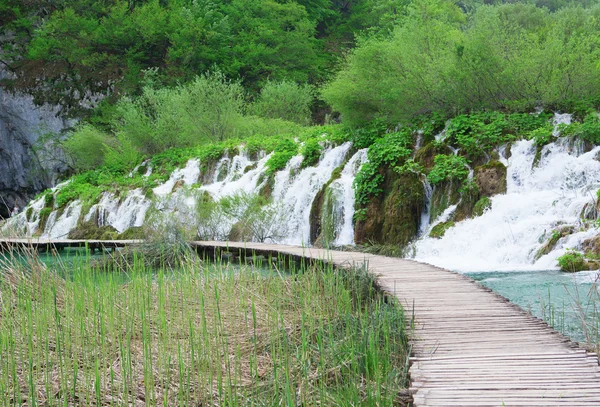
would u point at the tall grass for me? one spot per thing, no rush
(206, 334)
(579, 316)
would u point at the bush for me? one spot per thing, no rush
(284, 151)
(87, 147)
(588, 130)
(285, 100)
(572, 261)
(448, 168)
(311, 151)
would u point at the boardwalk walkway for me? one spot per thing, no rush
(471, 347)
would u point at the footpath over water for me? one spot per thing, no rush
(470, 347)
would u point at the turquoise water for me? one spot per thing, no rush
(563, 300)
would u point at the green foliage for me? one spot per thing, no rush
(86, 147)
(365, 136)
(448, 168)
(439, 230)
(481, 206)
(82, 187)
(284, 151)
(542, 136)
(285, 100)
(311, 151)
(572, 261)
(476, 134)
(509, 56)
(390, 151)
(588, 130)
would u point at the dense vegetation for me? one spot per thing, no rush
(202, 335)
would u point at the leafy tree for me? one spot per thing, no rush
(285, 100)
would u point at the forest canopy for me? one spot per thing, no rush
(143, 76)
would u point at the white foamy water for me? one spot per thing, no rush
(296, 191)
(120, 214)
(342, 194)
(538, 200)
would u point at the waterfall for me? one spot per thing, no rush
(426, 214)
(341, 196)
(539, 198)
(296, 189)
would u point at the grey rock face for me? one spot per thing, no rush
(27, 166)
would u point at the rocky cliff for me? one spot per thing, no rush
(25, 169)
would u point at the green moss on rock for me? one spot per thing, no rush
(133, 233)
(555, 236)
(321, 224)
(482, 205)
(445, 194)
(439, 230)
(393, 219)
(91, 231)
(491, 178)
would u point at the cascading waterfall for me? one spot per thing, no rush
(296, 189)
(539, 198)
(339, 204)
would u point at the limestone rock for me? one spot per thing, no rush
(491, 178)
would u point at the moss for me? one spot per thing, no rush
(44, 215)
(572, 262)
(321, 230)
(481, 206)
(444, 195)
(91, 231)
(394, 218)
(267, 189)
(555, 236)
(133, 233)
(28, 214)
(425, 155)
(439, 230)
(49, 200)
(491, 178)
(469, 198)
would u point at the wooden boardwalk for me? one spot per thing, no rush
(471, 347)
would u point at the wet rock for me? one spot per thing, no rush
(439, 230)
(491, 178)
(23, 171)
(393, 219)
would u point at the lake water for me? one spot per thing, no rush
(552, 296)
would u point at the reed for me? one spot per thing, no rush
(201, 334)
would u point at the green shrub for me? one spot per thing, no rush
(86, 146)
(448, 168)
(389, 151)
(311, 151)
(588, 130)
(572, 261)
(283, 152)
(285, 100)
(542, 136)
(481, 206)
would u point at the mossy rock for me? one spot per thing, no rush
(238, 233)
(482, 205)
(267, 189)
(491, 178)
(572, 262)
(592, 246)
(91, 231)
(439, 230)
(320, 228)
(466, 206)
(133, 233)
(394, 218)
(28, 214)
(444, 195)
(250, 167)
(555, 236)
(426, 154)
